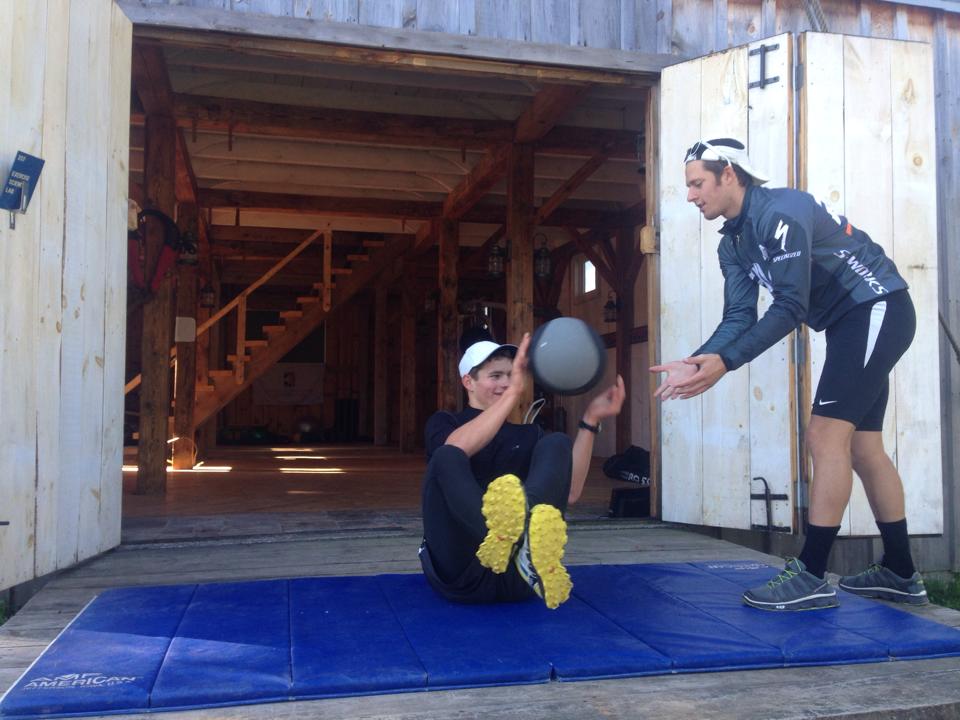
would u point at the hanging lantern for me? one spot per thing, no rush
(610, 309)
(542, 262)
(495, 261)
(208, 296)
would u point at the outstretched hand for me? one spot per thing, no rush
(677, 372)
(689, 377)
(606, 404)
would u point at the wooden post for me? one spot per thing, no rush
(184, 449)
(448, 380)
(159, 170)
(520, 215)
(408, 373)
(380, 408)
(650, 245)
(203, 436)
(241, 346)
(626, 281)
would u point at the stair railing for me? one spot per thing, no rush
(240, 303)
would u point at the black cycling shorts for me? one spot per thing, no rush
(862, 348)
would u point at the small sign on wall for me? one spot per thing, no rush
(20, 184)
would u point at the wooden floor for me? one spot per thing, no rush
(928, 689)
(243, 492)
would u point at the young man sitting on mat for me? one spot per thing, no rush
(821, 270)
(494, 492)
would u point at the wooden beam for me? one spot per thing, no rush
(481, 178)
(157, 314)
(448, 377)
(195, 113)
(248, 117)
(380, 407)
(649, 242)
(520, 214)
(242, 234)
(569, 186)
(283, 203)
(624, 330)
(395, 48)
(303, 204)
(408, 372)
(544, 212)
(184, 428)
(548, 107)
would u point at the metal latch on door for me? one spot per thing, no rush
(768, 498)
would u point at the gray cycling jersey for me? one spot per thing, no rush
(816, 265)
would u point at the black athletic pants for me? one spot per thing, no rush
(453, 524)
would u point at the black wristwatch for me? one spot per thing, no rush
(595, 429)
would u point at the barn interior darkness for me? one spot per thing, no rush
(370, 162)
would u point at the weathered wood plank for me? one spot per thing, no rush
(772, 388)
(427, 50)
(822, 166)
(914, 233)
(680, 291)
(22, 126)
(866, 83)
(724, 112)
(50, 293)
(115, 279)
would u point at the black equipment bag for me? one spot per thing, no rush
(631, 466)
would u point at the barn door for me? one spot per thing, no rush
(865, 134)
(65, 83)
(729, 456)
(868, 151)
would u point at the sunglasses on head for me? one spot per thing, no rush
(703, 150)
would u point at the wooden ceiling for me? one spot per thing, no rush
(278, 145)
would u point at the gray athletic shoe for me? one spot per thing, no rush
(793, 589)
(880, 582)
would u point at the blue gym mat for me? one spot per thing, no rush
(196, 646)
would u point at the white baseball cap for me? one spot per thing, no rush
(728, 150)
(478, 353)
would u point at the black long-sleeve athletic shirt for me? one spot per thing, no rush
(816, 265)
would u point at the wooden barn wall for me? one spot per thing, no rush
(65, 84)
(688, 28)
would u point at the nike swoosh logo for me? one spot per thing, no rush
(825, 402)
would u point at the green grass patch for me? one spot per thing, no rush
(944, 592)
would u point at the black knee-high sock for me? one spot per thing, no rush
(896, 548)
(816, 548)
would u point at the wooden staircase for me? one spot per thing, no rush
(260, 355)
(254, 357)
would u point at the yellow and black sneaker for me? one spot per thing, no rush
(505, 510)
(540, 558)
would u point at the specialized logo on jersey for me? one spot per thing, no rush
(795, 253)
(862, 270)
(781, 235)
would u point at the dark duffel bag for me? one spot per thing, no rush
(631, 466)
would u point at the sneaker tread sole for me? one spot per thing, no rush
(548, 539)
(891, 594)
(505, 510)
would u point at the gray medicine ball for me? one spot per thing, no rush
(567, 356)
